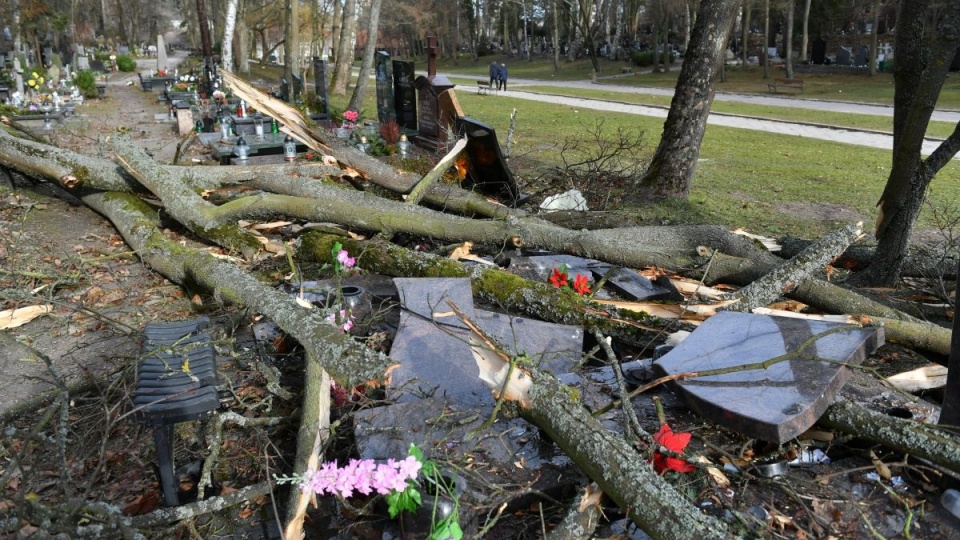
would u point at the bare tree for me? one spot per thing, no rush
(806, 26)
(788, 39)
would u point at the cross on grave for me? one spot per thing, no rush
(432, 50)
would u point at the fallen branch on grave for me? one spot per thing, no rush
(351, 363)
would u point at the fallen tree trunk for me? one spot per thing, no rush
(809, 262)
(925, 441)
(351, 363)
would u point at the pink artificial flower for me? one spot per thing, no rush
(350, 116)
(344, 258)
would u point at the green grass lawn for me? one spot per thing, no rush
(770, 184)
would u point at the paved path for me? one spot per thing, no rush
(846, 136)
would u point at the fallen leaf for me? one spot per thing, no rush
(245, 512)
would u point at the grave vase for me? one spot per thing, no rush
(357, 303)
(343, 133)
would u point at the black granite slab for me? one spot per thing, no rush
(777, 403)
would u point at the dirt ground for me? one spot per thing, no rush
(55, 251)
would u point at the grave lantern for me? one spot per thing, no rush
(289, 148)
(363, 145)
(242, 149)
(258, 125)
(404, 146)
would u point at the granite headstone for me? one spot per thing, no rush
(320, 83)
(405, 94)
(385, 103)
(819, 53)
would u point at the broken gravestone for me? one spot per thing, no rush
(439, 402)
(767, 377)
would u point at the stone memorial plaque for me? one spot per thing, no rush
(555, 348)
(488, 172)
(123, 49)
(435, 361)
(862, 53)
(161, 54)
(843, 56)
(320, 83)
(431, 131)
(818, 53)
(83, 62)
(427, 298)
(631, 285)
(284, 90)
(405, 94)
(385, 102)
(781, 401)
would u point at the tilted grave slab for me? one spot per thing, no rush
(778, 402)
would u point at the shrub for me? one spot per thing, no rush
(390, 131)
(645, 58)
(126, 64)
(86, 81)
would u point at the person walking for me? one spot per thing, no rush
(502, 85)
(494, 75)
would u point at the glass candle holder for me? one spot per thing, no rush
(242, 150)
(359, 308)
(289, 148)
(258, 125)
(404, 146)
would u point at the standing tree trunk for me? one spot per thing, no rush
(745, 44)
(873, 38)
(291, 40)
(335, 30)
(788, 38)
(806, 25)
(341, 70)
(675, 161)
(556, 36)
(243, 44)
(226, 50)
(206, 47)
(373, 25)
(923, 59)
(765, 51)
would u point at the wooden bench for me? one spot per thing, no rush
(484, 87)
(780, 85)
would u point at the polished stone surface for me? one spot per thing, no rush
(429, 297)
(777, 403)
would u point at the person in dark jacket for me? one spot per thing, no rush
(502, 85)
(494, 74)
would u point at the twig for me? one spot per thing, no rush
(164, 516)
(631, 424)
(216, 439)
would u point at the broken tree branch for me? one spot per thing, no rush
(925, 441)
(431, 178)
(807, 263)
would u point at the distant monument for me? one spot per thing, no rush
(431, 129)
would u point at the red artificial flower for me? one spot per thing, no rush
(581, 284)
(674, 442)
(558, 278)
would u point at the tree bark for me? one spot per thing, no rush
(291, 40)
(809, 262)
(674, 163)
(788, 39)
(925, 441)
(373, 29)
(804, 41)
(226, 49)
(341, 69)
(627, 478)
(919, 74)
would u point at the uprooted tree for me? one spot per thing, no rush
(114, 189)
